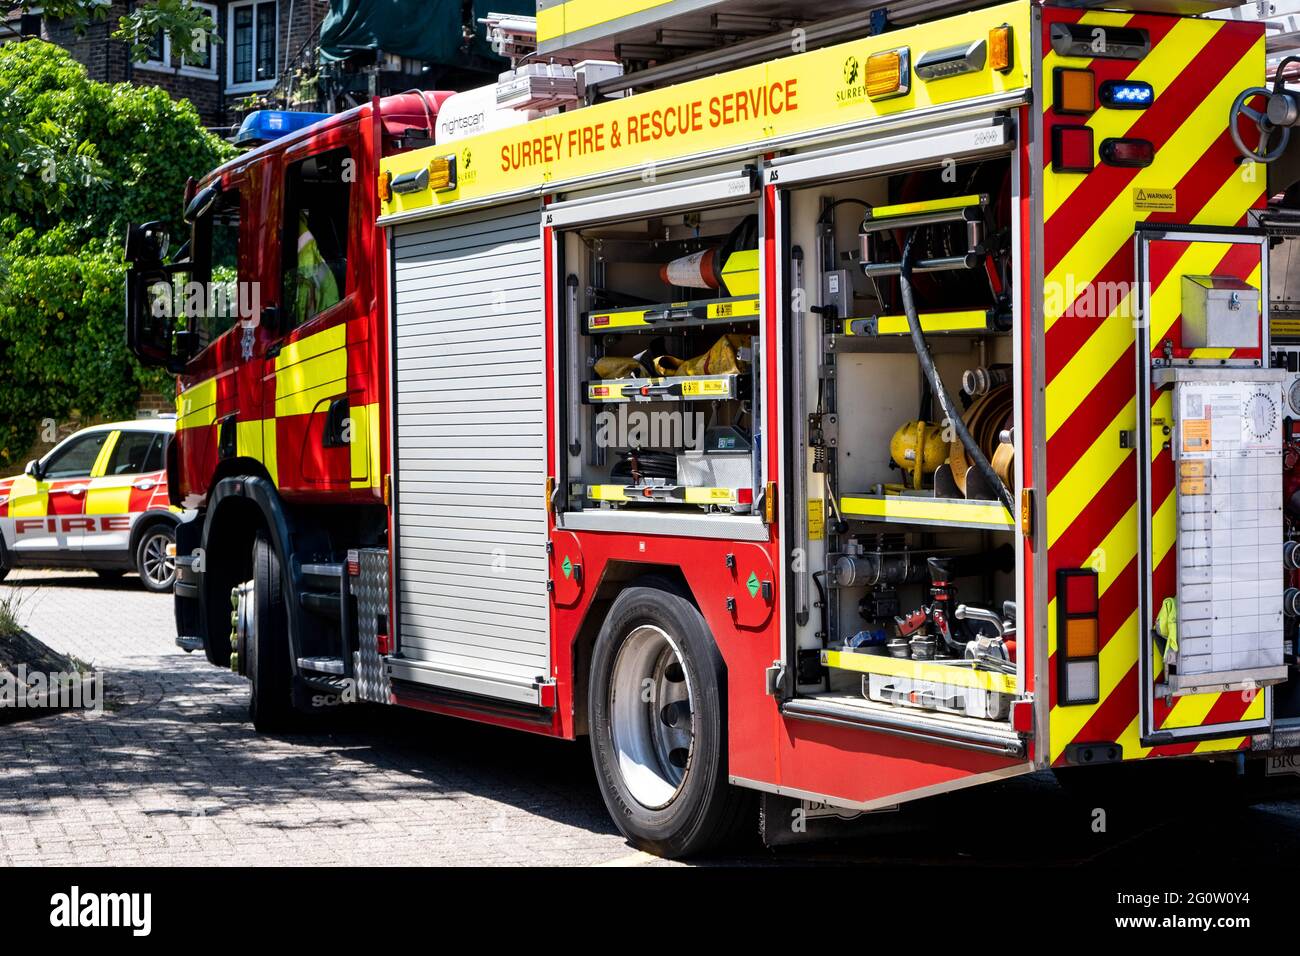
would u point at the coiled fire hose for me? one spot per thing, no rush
(973, 450)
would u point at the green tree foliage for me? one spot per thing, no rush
(79, 160)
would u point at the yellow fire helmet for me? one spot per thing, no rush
(918, 449)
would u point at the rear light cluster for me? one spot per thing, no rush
(1072, 149)
(1127, 152)
(1075, 93)
(1126, 94)
(1078, 636)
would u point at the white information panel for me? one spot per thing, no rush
(1228, 459)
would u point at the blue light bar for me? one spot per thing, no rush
(1126, 94)
(262, 126)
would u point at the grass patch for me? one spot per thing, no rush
(11, 605)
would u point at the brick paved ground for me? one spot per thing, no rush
(171, 773)
(175, 775)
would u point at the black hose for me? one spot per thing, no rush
(936, 383)
(649, 464)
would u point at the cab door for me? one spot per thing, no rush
(219, 403)
(317, 391)
(47, 510)
(120, 489)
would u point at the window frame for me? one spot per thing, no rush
(65, 446)
(155, 438)
(181, 68)
(289, 208)
(254, 85)
(201, 245)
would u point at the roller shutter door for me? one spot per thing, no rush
(470, 424)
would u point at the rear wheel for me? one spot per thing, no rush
(658, 725)
(4, 561)
(155, 560)
(264, 641)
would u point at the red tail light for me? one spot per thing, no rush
(1127, 152)
(1072, 149)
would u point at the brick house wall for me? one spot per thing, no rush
(216, 98)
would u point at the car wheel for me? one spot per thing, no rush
(657, 707)
(153, 558)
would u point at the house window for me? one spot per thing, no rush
(199, 55)
(193, 59)
(158, 49)
(253, 42)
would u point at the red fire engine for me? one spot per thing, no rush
(850, 412)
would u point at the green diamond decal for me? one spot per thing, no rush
(752, 584)
(567, 567)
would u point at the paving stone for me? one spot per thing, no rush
(172, 773)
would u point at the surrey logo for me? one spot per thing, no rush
(853, 90)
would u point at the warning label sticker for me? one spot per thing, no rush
(816, 519)
(1283, 328)
(1148, 199)
(1196, 435)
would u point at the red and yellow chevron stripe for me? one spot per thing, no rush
(1197, 68)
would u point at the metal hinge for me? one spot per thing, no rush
(823, 430)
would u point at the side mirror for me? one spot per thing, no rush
(150, 305)
(146, 245)
(202, 202)
(33, 468)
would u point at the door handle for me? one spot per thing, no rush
(73, 489)
(144, 484)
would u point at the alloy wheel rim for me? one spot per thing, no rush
(159, 567)
(651, 709)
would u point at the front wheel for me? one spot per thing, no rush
(658, 725)
(155, 558)
(262, 632)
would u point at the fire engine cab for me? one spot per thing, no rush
(843, 411)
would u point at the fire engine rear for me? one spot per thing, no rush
(844, 411)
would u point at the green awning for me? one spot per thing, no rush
(427, 30)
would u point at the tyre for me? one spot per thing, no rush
(266, 642)
(4, 561)
(154, 558)
(657, 717)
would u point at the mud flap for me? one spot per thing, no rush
(786, 821)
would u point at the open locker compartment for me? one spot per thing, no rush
(912, 550)
(660, 323)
